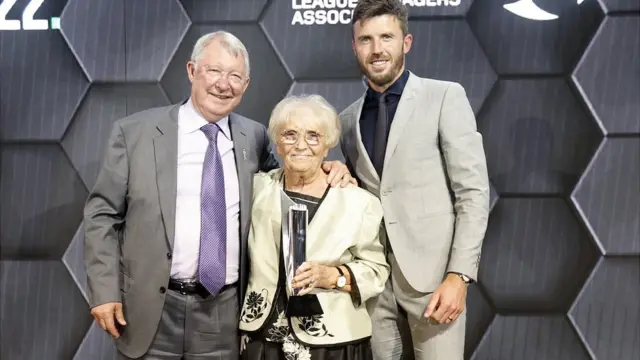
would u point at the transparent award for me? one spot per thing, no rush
(298, 223)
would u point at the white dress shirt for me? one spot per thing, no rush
(192, 146)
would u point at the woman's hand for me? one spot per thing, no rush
(312, 275)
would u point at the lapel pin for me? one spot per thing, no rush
(244, 153)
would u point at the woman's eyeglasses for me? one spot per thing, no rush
(291, 137)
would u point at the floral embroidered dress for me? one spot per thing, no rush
(276, 341)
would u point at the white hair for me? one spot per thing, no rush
(228, 40)
(324, 114)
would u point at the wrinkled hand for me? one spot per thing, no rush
(105, 314)
(448, 301)
(338, 174)
(311, 275)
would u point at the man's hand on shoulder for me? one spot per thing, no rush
(105, 314)
(338, 174)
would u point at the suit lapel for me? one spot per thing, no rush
(240, 146)
(364, 163)
(271, 206)
(404, 112)
(406, 106)
(165, 146)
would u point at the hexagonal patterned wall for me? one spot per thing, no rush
(555, 85)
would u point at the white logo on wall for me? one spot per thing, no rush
(529, 10)
(28, 21)
(332, 12)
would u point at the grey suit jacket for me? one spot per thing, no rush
(434, 188)
(130, 214)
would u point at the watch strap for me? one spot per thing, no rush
(464, 278)
(340, 277)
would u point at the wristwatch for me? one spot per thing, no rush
(342, 280)
(464, 278)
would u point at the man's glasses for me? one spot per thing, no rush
(235, 79)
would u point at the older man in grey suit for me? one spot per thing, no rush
(166, 224)
(413, 142)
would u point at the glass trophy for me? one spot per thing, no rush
(295, 252)
(298, 222)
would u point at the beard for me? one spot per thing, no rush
(385, 78)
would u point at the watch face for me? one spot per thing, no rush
(342, 281)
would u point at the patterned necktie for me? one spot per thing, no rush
(380, 137)
(212, 263)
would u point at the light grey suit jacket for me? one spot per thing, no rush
(129, 216)
(434, 188)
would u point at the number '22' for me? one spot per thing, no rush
(28, 22)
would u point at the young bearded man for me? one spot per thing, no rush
(413, 142)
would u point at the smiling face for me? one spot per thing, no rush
(380, 47)
(218, 81)
(301, 144)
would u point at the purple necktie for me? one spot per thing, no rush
(212, 264)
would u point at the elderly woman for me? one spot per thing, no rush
(345, 260)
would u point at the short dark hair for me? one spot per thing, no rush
(367, 9)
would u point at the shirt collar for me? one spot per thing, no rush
(396, 88)
(190, 120)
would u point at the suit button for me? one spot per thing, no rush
(163, 290)
(169, 256)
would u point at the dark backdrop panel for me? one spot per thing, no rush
(530, 243)
(41, 85)
(613, 6)
(517, 45)
(608, 196)
(537, 135)
(606, 313)
(223, 10)
(531, 338)
(554, 84)
(43, 313)
(119, 40)
(81, 22)
(601, 77)
(42, 200)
